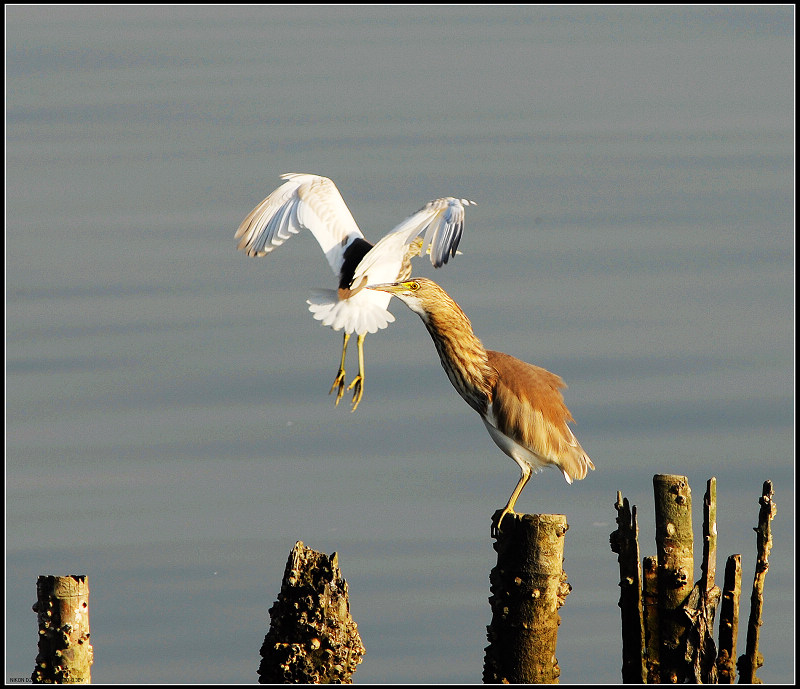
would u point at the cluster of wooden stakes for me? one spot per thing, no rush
(667, 621)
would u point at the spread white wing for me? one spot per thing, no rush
(303, 201)
(441, 221)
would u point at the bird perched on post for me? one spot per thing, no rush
(314, 203)
(520, 404)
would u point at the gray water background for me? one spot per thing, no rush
(169, 431)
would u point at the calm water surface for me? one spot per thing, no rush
(169, 431)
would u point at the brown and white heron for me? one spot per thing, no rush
(520, 404)
(314, 203)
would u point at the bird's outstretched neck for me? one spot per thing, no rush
(462, 354)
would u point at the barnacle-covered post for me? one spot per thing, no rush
(312, 638)
(752, 659)
(528, 586)
(62, 610)
(674, 543)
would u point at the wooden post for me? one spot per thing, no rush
(312, 638)
(528, 586)
(678, 618)
(652, 633)
(729, 620)
(701, 606)
(62, 610)
(674, 542)
(752, 658)
(625, 542)
(709, 564)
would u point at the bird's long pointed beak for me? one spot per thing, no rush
(385, 286)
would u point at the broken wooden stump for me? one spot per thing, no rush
(625, 542)
(729, 620)
(62, 610)
(312, 638)
(528, 586)
(674, 550)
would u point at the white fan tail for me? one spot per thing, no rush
(361, 313)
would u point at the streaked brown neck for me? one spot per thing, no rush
(462, 355)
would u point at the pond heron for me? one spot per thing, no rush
(520, 404)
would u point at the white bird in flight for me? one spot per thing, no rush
(314, 203)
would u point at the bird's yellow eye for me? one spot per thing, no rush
(413, 286)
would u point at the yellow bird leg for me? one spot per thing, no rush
(358, 381)
(339, 381)
(509, 508)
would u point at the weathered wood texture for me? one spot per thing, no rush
(652, 635)
(528, 586)
(729, 620)
(62, 610)
(674, 550)
(752, 659)
(625, 542)
(677, 619)
(701, 606)
(312, 638)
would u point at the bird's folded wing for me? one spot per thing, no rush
(442, 221)
(365, 312)
(528, 399)
(302, 202)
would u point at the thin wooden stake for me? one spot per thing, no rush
(729, 620)
(62, 609)
(625, 542)
(652, 633)
(528, 586)
(701, 606)
(709, 565)
(752, 659)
